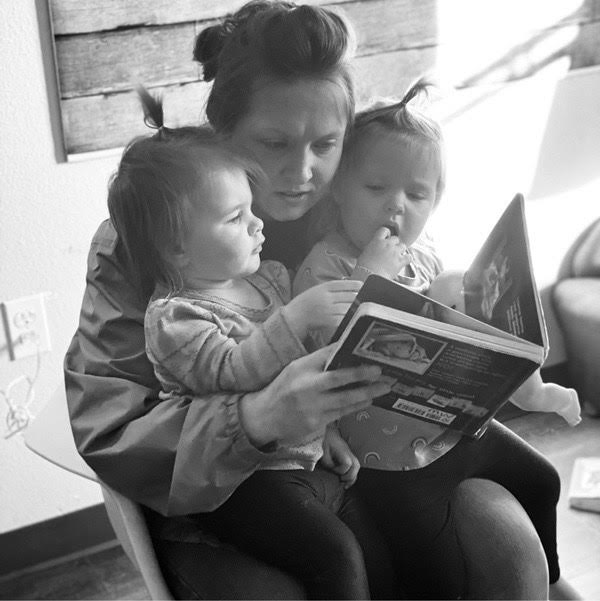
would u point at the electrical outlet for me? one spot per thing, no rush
(26, 326)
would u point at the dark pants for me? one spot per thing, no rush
(414, 513)
(411, 512)
(304, 524)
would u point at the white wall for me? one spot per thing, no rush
(49, 211)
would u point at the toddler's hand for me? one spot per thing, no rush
(385, 254)
(338, 458)
(321, 306)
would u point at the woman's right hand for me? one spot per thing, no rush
(300, 402)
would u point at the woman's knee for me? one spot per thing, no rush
(504, 558)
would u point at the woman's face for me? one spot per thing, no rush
(295, 131)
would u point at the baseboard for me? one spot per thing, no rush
(54, 539)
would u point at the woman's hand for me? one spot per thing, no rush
(338, 458)
(322, 306)
(303, 399)
(385, 254)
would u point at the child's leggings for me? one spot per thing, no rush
(304, 523)
(413, 508)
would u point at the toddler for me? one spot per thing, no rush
(221, 320)
(389, 182)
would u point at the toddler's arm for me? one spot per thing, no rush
(188, 345)
(333, 259)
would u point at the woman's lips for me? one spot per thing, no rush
(295, 195)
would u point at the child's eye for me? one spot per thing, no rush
(375, 187)
(237, 218)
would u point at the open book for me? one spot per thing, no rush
(447, 367)
(584, 490)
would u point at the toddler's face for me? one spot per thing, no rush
(224, 237)
(389, 184)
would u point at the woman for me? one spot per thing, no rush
(283, 94)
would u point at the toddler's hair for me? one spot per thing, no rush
(401, 120)
(405, 121)
(268, 40)
(151, 193)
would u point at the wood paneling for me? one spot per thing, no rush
(82, 16)
(105, 47)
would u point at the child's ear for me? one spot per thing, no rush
(178, 257)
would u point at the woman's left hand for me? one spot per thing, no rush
(338, 458)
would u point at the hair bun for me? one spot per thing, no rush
(208, 46)
(210, 41)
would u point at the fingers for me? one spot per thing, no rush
(343, 402)
(349, 478)
(340, 285)
(347, 469)
(349, 375)
(383, 233)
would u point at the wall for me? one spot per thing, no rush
(50, 210)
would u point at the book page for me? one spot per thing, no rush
(500, 287)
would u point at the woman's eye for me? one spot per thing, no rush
(374, 187)
(325, 146)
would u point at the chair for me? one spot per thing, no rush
(576, 298)
(50, 436)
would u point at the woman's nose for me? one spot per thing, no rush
(299, 167)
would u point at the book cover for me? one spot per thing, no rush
(448, 367)
(584, 490)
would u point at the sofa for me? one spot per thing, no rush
(576, 301)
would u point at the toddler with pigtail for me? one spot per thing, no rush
(219, 319)
(390, 180)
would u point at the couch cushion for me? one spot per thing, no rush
(577, 305)
(586, 258)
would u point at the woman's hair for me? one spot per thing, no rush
(156, 184)
(271, 41)
(404, 122)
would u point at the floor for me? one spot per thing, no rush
(108, 574)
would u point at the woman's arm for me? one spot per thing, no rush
(182, 454)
